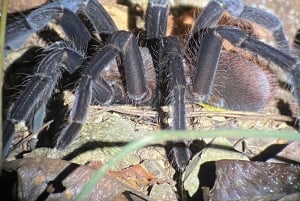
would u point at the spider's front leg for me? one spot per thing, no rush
(168, 61)
(59, 56)
(64, 12)
(88, 84)
(172, 61)
(123, 46)
(39, 89)
(18, 31)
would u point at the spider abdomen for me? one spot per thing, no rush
(241, 84)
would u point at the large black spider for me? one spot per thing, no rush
(112, 70)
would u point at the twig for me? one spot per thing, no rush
(191, 113)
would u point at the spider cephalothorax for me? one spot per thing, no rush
(114, 69)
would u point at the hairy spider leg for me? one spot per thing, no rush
(79, 36)
(61, 11)
(156, 19)
(296, 43)
(95, 12)
(214, 10)
(99, 17)
(205, 44)
(243, 40)
(128, 47)
(168, 62)
(18, 31)
(59, 56)
(172, 60)
(92, 85)
(136, 88)
(39, 89)
(268, 21)
(207, 59)
(75, 31)
(64, 12)
(156, 27)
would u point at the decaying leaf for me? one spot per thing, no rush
(52, 179)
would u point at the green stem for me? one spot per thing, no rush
(163, 136)
(2, 38)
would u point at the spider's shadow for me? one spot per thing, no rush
(90, 146)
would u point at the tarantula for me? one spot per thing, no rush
(112, 67)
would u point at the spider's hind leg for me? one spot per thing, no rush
(64, 12)
(238, 9)
(172, 61)
(268, 21)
